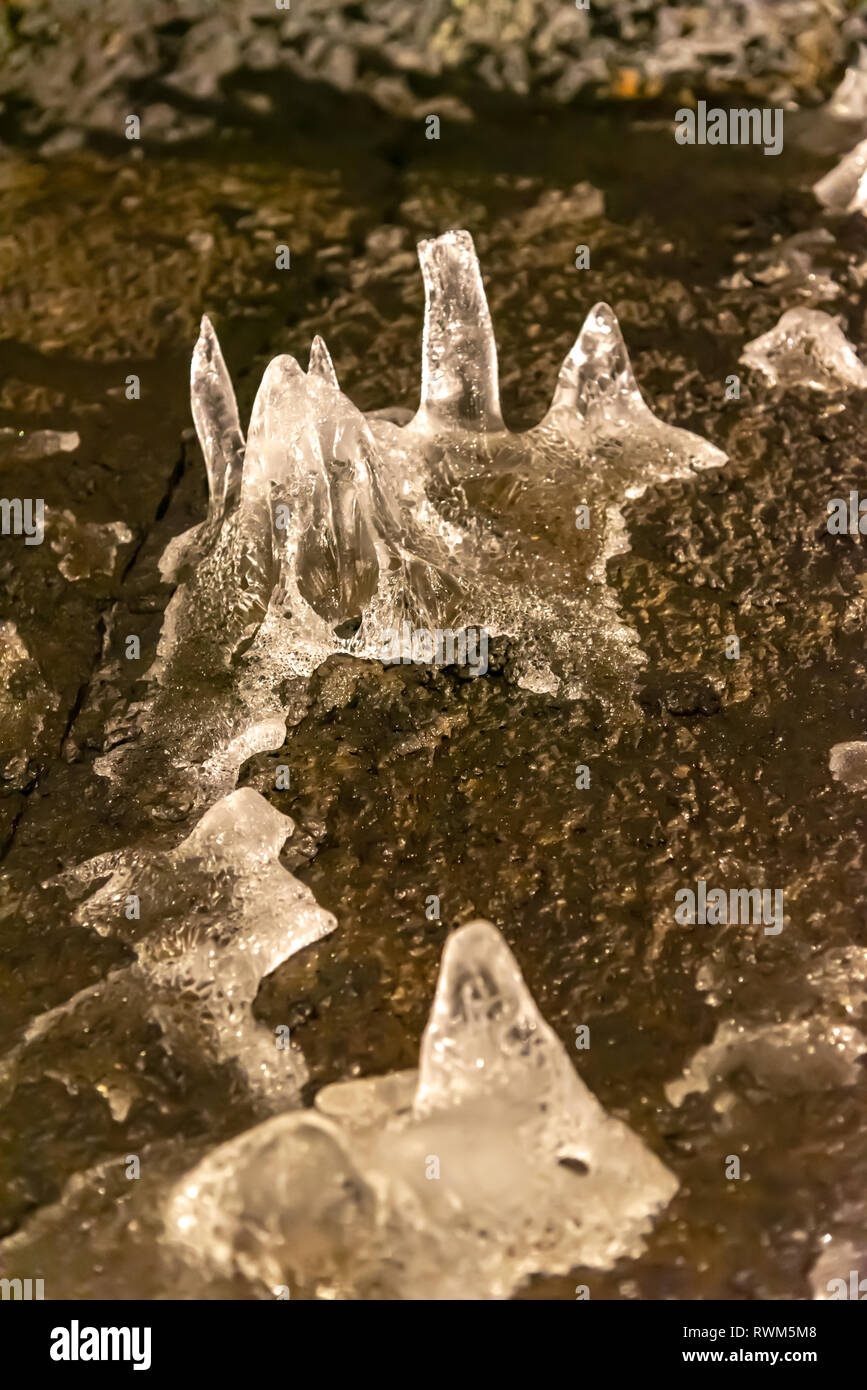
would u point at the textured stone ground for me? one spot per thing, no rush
(409, 782)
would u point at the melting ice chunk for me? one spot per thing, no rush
(848, 764)
(807, 348)
(598, 407)
(491, 1163)
(208, 921)
(811, 1053)
(844, 189)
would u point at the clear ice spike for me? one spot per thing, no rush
(320, 363)
(215, 413)
(596, 379)
(459, 382)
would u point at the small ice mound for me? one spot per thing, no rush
(849, 100)
(86, 548)
(848, 764)
(208, 921)
(807, 348)
(844, 188)
(37, 444)
(491, 1163)
(811, 1054)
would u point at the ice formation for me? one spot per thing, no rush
(25, 700)
(86, 548)
(809, 1055)
(812, 1053)
(327, 530)
(849, 100)
(491, 1162)
(34, 444)
(807, 348)
(207, 921)
(789, 267)
(844, 189)
(848, 764)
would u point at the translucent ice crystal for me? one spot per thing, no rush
(329, 530)
(492, 1162)
(807, 348)
(844, 189)
(207, 921)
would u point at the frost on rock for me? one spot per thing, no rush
(208, 921)
(329, 530)
(844, 189)
(492, 1162)
(848, 764)
(807, 348)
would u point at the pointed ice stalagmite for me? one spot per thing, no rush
(599, 409)
(596, 379)
(307, 458)
(459, 384)
(320, 363)
(215, 413)
(532, 1175)
(277, 417)
(340, 545)
(487, 1045)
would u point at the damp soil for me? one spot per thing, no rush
(408, 782)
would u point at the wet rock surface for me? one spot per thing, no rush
(407, 782)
